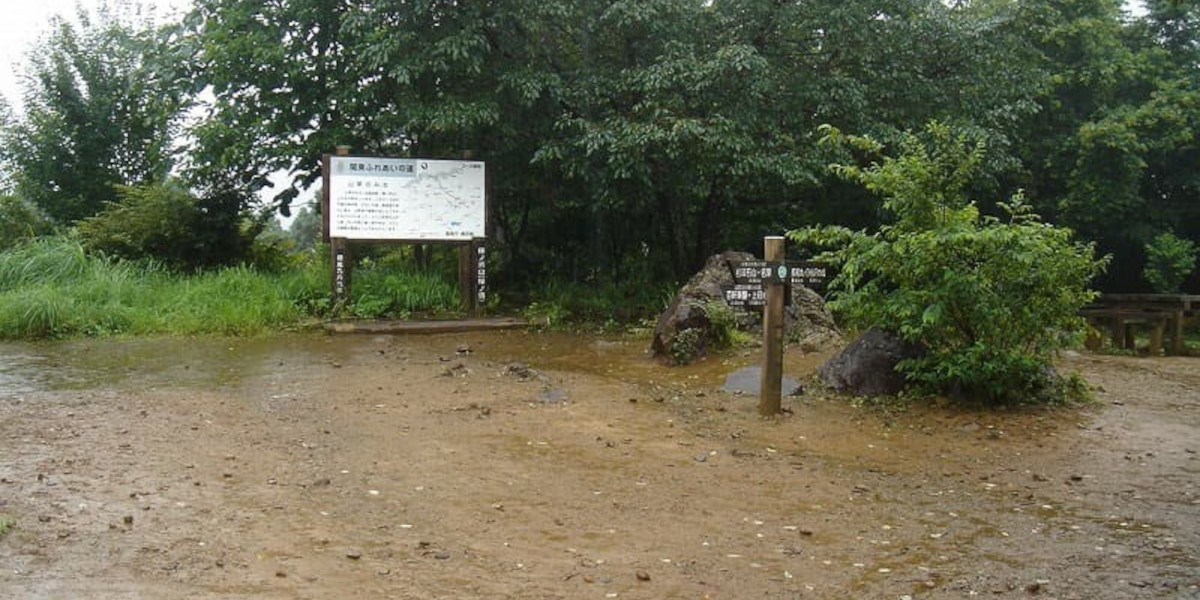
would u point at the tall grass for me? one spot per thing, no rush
(52, 288)
(42, 261)
(379, 292)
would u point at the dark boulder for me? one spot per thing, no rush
(682, 331)
(867, 367)
(807, 324)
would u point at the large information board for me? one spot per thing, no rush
(406, 199)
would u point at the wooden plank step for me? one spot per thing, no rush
(426, 327)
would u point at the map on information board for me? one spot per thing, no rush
(406, 199)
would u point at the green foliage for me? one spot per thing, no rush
(166, 223)
(305, 231)
(54, 288)
(627, 141)
(6, 524)
(20, 221)
(1112, 152)
(688, 345)
(43, 261)
(546, 315)
(1169, 260)
(100, 109)
(722, 325)
(990, 300)
(600, 305)
(272, 249)
(380, 291)
(720, 333)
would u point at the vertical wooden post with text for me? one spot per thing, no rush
(771, 384)
(472, 271)
(341, 260)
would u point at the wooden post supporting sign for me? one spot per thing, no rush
(343, 268)
(466, 276)
(771, 384)
(342, 261)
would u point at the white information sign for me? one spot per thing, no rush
(406, 199)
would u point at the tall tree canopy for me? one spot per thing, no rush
(1113, 149)
(613, 128)
(100, 110)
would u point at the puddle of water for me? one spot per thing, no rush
(629, 359)
(748, 380)
(21, 370)
(150, 362)
(196, 362)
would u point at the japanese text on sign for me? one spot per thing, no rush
(481, 275)
(745, 295)
(406, 199)
(809, 274)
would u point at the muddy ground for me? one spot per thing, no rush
(316, 467)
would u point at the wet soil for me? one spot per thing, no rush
(517, 465)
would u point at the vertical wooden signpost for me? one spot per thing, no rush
(771, 384)
(341, 261)
(765, 283)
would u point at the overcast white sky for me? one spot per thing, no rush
(25, 21)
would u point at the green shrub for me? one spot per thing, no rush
(20, 221)
(1169, 261)
(688, 345)
(991, 300)
(723, 331)
(386, 289)
(546, 315)
(166, 223)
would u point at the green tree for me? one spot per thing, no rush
(100, 110)
(305, 230)
(1169, 261)
(619, 133)
(19, 221)
(989, 299)
(1111, 152)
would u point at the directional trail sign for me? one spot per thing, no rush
(750, 278)
(743, 295)
(810, 274)
(751, 272)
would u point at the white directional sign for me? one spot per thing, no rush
(406, 199)
(744, 295)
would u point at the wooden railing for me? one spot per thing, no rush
(1163, 314)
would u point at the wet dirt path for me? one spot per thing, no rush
(398, 467)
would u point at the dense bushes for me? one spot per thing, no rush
(19, 221)
(990, 299)
(170, 225)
